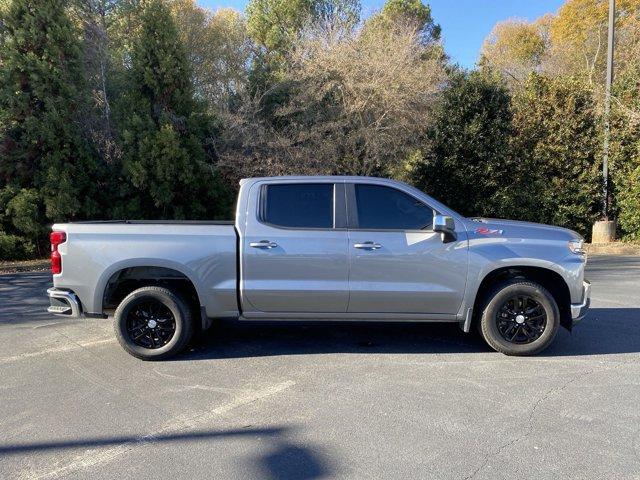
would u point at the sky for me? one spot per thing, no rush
(465, 23)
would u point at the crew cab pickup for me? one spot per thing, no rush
(322, 248)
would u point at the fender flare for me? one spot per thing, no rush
(101, 285)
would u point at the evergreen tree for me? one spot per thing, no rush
(625, 151)
(557, 150)
(465, 158)
(40, 91)
(166, 154)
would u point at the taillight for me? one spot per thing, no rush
(56, 259)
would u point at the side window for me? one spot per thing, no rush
(298, 205)
(385, 208)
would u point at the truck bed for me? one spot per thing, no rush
(152, 222)
(204, 251)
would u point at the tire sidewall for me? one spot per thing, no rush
(489, 325)
(172, 302)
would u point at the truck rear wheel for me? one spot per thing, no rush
(153, 323)
(520, 317)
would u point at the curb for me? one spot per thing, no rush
(26, 266)
(615, 248)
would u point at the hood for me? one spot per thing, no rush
(516, 228)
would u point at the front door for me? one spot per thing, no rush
(294, 251)
(398, 263)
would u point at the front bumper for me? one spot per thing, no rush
(579, 310)
(64, 302)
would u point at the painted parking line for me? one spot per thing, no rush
(55, 350)
(97, 456)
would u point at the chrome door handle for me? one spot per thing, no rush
(367, 246)
(263, 244)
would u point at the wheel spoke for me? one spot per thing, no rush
(510, 328)
(144, 332)
(515, 334)
(525, 330)
(537, 329)
(505, 308)
(514, 309)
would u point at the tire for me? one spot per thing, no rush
(499, 322)
(160, 320)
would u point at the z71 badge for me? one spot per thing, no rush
(488, 231)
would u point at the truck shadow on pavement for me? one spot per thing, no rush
(282, 460)
(603, 331)
(254, 339)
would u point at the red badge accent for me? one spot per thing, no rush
(488, 231)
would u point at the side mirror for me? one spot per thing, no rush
(446, 226)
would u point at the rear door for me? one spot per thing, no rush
(398, 263)
(294, 251)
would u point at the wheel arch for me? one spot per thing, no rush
(549, 279)
(124, 277)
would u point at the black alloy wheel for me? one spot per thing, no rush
(153, 323)
(150, 323)
(521, 319)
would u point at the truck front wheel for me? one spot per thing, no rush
(520, 317)
(153, 323)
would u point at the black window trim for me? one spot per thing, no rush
(352, 210)
(339, 212)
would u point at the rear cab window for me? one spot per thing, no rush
(297, 205)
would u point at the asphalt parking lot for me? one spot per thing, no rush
(301, 401)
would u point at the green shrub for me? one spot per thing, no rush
(628, 198)
(24, 210)
(556, 150)
(13, 247)
(625, 153)
(464, 162)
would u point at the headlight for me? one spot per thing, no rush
(577, 247)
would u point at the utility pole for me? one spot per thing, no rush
(607, 110)
(604, 231)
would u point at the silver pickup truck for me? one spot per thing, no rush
(322, 248)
